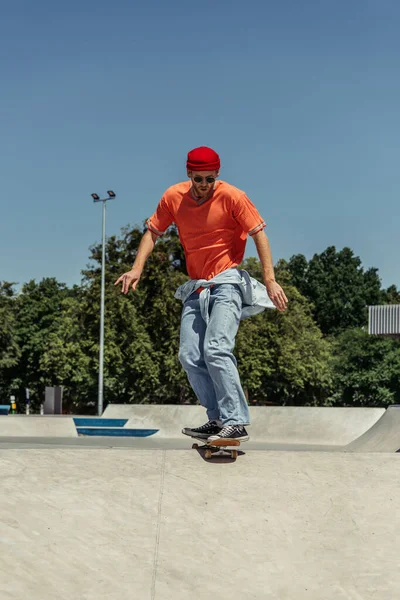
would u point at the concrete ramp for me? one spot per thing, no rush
(37, 426)
(333, 426)
(278, 425)
(384, 436)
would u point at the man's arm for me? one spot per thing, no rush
(275, 292)
(146, 247)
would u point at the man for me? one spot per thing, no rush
(214, 219)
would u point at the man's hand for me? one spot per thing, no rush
(277, 295)
(130, 278)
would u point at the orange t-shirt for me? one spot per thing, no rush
(213, 232)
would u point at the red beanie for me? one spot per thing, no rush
(203, 159)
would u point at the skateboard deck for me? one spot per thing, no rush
(228, 445)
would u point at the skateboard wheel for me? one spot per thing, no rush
(208, 454)
(195, 446)
(234, 453)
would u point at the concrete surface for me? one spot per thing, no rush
(308, 511)
(117, 524)
(149, 443)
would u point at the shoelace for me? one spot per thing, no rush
(206, 426)
(228, 430)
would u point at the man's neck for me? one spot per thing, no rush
(202, 198)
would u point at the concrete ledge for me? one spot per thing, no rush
(277, 424)
(37, 426)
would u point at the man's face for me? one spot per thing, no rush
(201, 186)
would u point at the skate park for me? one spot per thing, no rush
(275, 115)
(121, 506)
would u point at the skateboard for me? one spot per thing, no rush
(218, 446)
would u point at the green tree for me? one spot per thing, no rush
(390, 296)
(9, 349)
(142, 328)
(337, 286)
(38, 310)
(366, 369)
(313, 354)
(282, 357)
(65, 360)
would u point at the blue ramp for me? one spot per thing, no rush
(115, 431)
(98, 422)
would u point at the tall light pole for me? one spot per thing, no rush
(96, 198)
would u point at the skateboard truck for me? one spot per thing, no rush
(216, 446)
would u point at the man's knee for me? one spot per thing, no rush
(189, 358)
(215, 352)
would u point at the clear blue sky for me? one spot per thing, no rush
(300, 98)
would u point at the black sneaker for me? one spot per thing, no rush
(210, 428)
(232, 432)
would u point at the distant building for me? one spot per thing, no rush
(384, 320)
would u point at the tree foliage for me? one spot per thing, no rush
(366, 369)
(316, 353)
(337, 286)
(283, 358)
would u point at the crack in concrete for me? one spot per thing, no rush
(157, 544)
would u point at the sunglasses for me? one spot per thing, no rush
(199, 179)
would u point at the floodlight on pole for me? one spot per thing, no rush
(96, 198)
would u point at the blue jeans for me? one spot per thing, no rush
(206, 354)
